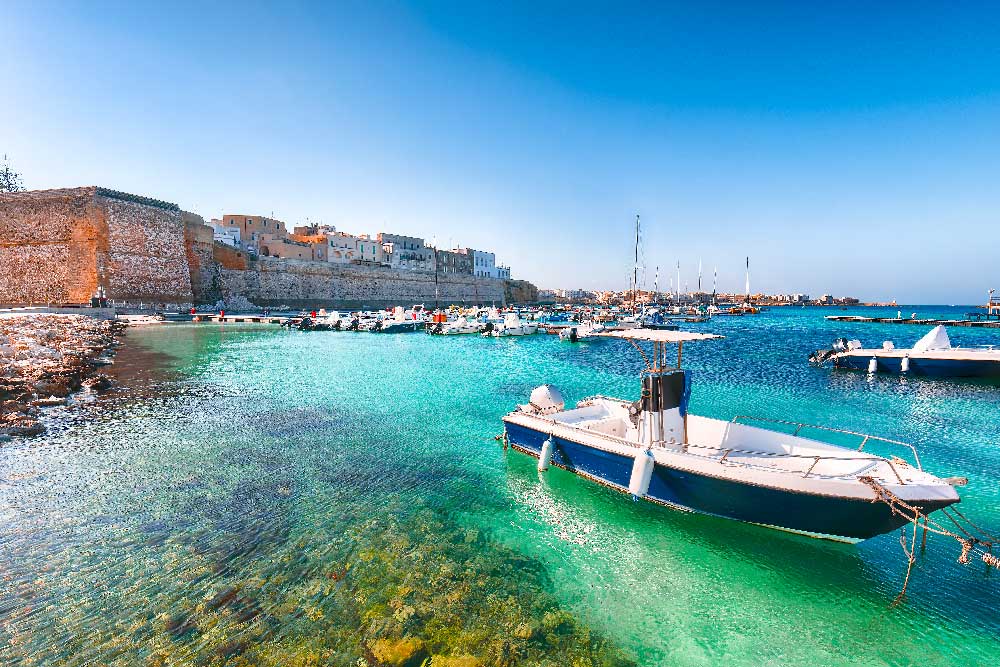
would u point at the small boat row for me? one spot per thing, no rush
(486, 322)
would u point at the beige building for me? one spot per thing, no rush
(272, 245)
(406, 252)
(253, 228)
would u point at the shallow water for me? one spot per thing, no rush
(279, 498)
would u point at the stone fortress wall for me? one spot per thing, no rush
(59, 246)
(276, 282)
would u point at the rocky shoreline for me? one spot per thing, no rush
(44, 359)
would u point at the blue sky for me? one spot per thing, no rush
(847, 149)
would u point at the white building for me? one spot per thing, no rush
(224, 234)
(484, 264)
(503, 272)
(406, 252)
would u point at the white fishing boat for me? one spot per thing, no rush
(400, 322)
(575, 333)
(655, 450)
(457, 327)
(933, 355)
(513, 325)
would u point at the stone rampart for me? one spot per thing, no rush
(298, 284)
(59, 246)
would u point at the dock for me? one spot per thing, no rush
(986, 324)
(255, 319)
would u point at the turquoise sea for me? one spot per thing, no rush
(257, 496)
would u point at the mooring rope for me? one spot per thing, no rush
(968, 540)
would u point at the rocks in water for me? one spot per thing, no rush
(407, 652)
(43, 360)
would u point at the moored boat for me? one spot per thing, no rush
(513, 325)
(655, 450)
(575, 333)
(933, 355)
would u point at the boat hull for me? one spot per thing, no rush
(921, 366)
(831, 517)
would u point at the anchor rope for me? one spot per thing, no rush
(968, 541)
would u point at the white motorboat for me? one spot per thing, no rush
(456, 327)
(655, 450)
(933, 356)
(513, 325)
(581, 332)
(400, 322)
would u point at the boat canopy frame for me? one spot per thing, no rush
(656, 362)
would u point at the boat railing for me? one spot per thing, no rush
(726, 452)
(865, 437)
(815, 458)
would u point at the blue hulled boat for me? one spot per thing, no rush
(932, 356)
(655, 450)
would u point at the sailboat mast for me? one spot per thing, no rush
(678, 281)
(635, 267)
(748, 280)
(699, 275)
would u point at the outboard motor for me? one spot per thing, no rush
(306, 324)
(336, 325)
(488, 328)
(545, 400)
(819, 357)
(574, 336)
(376, 325)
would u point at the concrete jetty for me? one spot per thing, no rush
(986, 324)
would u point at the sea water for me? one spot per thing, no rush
(260, 496)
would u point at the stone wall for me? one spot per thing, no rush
(276, 282)
(520, 292)
(58, 246)
(147, 260)
(49, 244)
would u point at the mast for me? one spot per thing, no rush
(635, 267)
(656, 283)
(748, 280)
(715, 284)
(699, 275)
(678, 281)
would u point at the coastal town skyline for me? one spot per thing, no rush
(531, 135)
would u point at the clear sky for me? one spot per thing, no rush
(852, 149)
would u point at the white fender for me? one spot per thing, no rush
(546, 456)
(872, 365)
(642, 472)
(904, 365)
